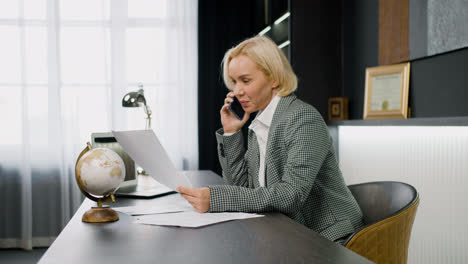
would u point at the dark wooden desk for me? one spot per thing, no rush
(274, 238)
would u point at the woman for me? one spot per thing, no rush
(290, 164)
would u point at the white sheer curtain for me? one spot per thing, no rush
(64, 68)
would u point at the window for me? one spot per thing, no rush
(71, 56)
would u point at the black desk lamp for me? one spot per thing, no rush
(137, 99)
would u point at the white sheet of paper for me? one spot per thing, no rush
(145, 149)
(144, 210)
(169, 204)
(190, 219)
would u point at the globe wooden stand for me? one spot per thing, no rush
(97, 214)
(101, 214)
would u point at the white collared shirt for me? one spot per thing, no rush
(261, 126)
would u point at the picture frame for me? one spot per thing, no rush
(337, 108)
(386, 92)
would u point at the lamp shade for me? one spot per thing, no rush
(134, 99)
(137, 99)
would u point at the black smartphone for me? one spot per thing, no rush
(236, 108)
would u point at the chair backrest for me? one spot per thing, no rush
(379, 200)
(389, 209)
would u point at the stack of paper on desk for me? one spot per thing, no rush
(144, 210)
(169, 204)
(190, 218)
(178, 214)
(174, 210)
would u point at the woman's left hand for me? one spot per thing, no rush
(199, 198)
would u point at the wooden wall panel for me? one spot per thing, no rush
(393, 31)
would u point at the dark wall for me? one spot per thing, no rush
(221, 25)
(316, 50)
(438, 84)
(361, 49)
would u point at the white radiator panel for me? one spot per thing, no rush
(432, 159)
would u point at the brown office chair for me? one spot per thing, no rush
(389, 209)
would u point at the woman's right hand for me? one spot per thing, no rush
(230, 122)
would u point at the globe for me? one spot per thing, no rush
(100, 171)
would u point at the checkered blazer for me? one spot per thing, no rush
(302, 178)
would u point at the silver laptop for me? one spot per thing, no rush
(134, 185)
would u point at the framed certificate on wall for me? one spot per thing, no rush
(386, 92)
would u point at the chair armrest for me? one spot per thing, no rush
(386, 240)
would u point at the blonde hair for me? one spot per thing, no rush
(268, 58)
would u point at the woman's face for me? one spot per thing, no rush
(253, 89)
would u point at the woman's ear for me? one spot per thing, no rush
(275, 84)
